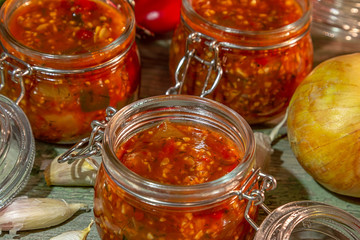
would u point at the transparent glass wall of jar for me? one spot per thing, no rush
(130, 206)
(335, 28)
(304, 220)
(17, 150)
(66, 89)
(261, 68)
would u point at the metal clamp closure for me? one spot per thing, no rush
(212, 64)
(256, 195)
(132, 3)
(90, 146)
(17, 69)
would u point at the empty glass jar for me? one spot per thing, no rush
(335, 28)
(17, 150)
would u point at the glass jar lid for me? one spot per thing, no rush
(17, 150)
(305, 220)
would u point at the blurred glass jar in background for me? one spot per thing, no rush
(70, 59)
(253, 66)
(335, 28)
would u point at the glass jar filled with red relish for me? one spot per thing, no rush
(69, 60)
(175, 167)
(249, 55)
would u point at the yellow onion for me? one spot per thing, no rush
(324, 124)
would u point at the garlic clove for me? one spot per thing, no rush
(79, 173)
(74, 235)
(36, 213)
(263, 151)
(264, 145)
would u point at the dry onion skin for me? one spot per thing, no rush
(324, 124)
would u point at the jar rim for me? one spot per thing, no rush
(4, 132)
(309, 216)
(175, 195)
(130, 25)
(298, 24)
(18, 155)
(249, 40)
(108, 63)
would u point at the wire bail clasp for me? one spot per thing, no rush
(132, 3)
(256, 196)
(17, 69)
(89, 146)
(212, 64)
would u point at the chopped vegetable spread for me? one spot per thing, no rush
(180, 154)
(251, 15)
(172, 153)
(262, 68)
(86, 67)
(66, 26)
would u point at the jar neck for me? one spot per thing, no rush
(254, 40)
(67, 62)
(146, 113)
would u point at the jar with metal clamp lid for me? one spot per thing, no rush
(74, 57)
(17, 150)
(249, 55)
(182, 167)
(174, 167)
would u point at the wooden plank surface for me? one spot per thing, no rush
(294, 183)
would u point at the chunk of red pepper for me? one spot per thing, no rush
(84, 34)
(85, 6)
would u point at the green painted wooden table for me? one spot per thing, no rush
(293, 182)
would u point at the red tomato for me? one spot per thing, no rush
(157, 16)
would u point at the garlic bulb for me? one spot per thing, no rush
(74, 235)
(36, 213)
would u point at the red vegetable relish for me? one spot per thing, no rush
(180, 154)
(251, 15)
(66, 26)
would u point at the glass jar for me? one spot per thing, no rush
(335, 28)
(253, 71)
(129, 206)
(309, 220)
(17, 150)
(64, 90)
